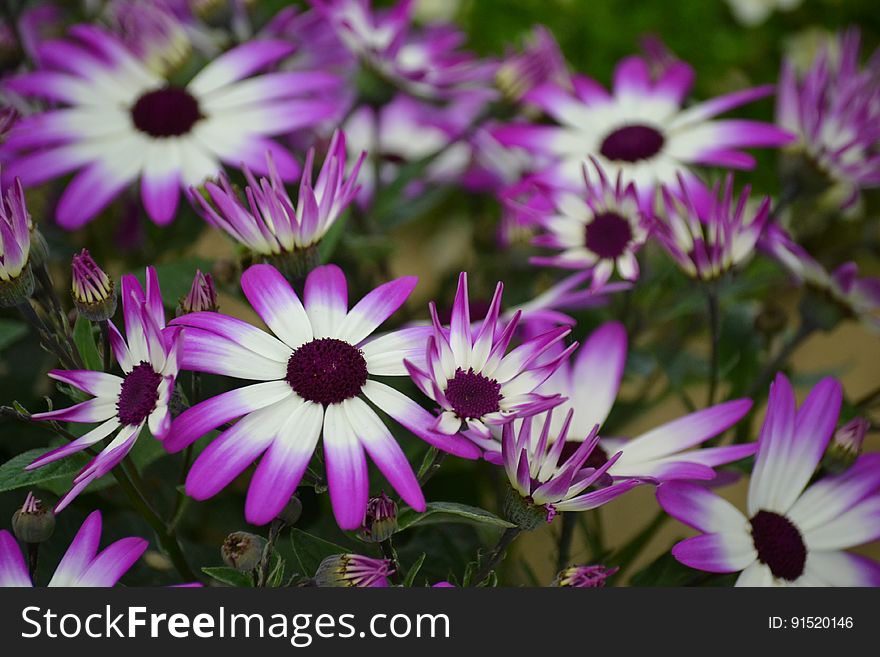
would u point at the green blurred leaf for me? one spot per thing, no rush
(329, 242)
(13, 475)
(440, 512)
(10, 332)
(229, 576)
(84, 338)
(667, 571)
(310, 550)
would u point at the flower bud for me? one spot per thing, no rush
(93, 291)
(381, 519)
(202, 296)
(18, 290)
(33, 523)
(242, 551)
(16, 276)
(846, 445)
(353, 570)
(584, 577)
(524, 513)
(292, 511)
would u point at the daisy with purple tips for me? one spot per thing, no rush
(640, 131)
(271, 224)
(588, 385)
(473, 379)
(795, 533)
(120, 123)
(546, 480)
(834, 109)
(600, 230)
(82, 564)
(708, 237)
(316, 377)
(123, 405)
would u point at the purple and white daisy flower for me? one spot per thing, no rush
(640, 131)
(794, 533)
(834, 109)
(82, 564)
(708, 237)
(600, 230)
(316, 376)
(121, 123)
(123, 405)
(473, 379)
(548, 481)
(588, 385)
(271, 224)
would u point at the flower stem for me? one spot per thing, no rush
(129, 480)
(569, 523)
(390, 553)
(715, 339)
(496, 555)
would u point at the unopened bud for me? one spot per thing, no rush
(243, 551)
(291, 512)
(846, 445)
(93, 291)
(16, 291)
(33, 522)
(584, 576)
(381, 519)
(202, 296)
(353, 570)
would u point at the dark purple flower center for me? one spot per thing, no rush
(139, 394)
(608, 235)
(632, 143)
(473, 395)
(327, 371)
(166, 112)
(779, 544)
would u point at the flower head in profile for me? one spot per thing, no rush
(152, 32)
(271, 224)
(709, 236)
(471, 376)
(588, 384)
(426, 62)
(119, 123)
(794, 532)
(857, 297)
(834, 109)
(82, 564)
(122, 405)
(316, 376)
(16, 279)
(347, 570)
(600, 229)
(584, 577)
(544, 481)
(641, 130)
(540, 61)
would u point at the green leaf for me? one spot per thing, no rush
(310, 550)
(414, 570)
(439, 512)
(84, 338)
(10, 332)
(229, 576)
(328, 243)
(667, 571)
(13, 475)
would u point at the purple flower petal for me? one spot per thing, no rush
(377, 306)
(700, 508)
(277, 304)
(112, 563)
(716, 553)
(346, 466)
(326, 300)
(13, 570)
